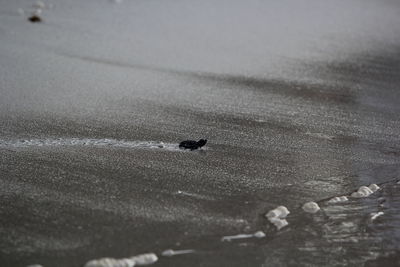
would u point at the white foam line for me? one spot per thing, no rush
(171, 252)
(87, 142)
(375, 215)
(193, 195)
(259, 234)
(143, 259)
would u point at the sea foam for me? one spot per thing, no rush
(87, 142)
(277, 217)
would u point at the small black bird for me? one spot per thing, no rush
(192, 145)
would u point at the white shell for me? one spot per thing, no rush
(311, 207)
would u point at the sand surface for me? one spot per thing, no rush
(299, 101)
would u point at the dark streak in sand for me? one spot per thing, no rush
(313, 92)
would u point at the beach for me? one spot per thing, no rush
(299, 101)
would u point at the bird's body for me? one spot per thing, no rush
(192, 145)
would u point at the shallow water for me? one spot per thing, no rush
(95, 100)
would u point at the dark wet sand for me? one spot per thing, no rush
(298, 104)
(65, 205)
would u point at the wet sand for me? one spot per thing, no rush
(89, 165)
